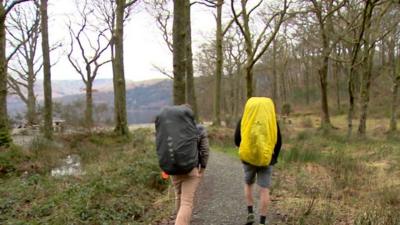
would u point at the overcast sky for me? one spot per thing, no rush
(143, 45)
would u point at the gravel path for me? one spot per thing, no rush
(219, 199)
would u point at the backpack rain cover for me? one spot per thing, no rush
(176, 140)
(258, 131)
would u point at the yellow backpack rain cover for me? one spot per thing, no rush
(258, 131)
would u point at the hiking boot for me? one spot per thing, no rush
(251, 218)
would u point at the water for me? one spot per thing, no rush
(71, 167)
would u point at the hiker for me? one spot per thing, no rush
(182, 149)
(258, 137)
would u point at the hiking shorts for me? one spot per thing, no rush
(263, 175)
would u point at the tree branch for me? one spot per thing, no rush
(163, 71)
(9, 8)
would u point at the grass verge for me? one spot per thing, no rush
(121, 183)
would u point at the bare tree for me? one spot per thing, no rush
(160, 11)
(114, 14)
(371, 37)
(323, 12)
(24, 31)
(234, 58)
(219, 37)
(162, 14)
(255, 48)
(90, 52)
(5, 8)
(121, 120)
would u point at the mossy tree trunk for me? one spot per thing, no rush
(5, 138)
(190, 87)
(368, 54)
(179, 52)
(218, 66)
(121, 121)
(395, 71)
(48, 105)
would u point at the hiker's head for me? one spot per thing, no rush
(187, 105)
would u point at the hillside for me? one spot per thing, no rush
(144, 99)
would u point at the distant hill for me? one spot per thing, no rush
(144, 99)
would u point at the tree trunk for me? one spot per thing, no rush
(249, 81)
(350, 88)
(48, 106)
(396, 83)
(249, 51)
(239, 89)
(179, 46)
(283, 86)
(121, 127)
(336, 70)
(5, 138)
(366, 24)
(393, 113)
(306, 77)
(323, 79)
(274, 74)
(116, 105)
(89, 104)
(190, 87)
(323, 74)
(219, 64)
(31, 106)
(365, 88)
(367, 72)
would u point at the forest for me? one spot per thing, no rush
(332, 69)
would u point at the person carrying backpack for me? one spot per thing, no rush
(182, 150)
(258, 137)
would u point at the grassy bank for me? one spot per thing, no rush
(121, 182)
(322, 178)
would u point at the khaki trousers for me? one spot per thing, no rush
(185, 188)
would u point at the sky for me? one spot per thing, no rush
(143, 42)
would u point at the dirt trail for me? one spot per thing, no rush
(219, 199)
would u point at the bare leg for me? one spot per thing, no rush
(264, 201)
(248, 193)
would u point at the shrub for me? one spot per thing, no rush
(9, 158)
(5, 138)
(307, 122)
(286, 109)
(303, 135)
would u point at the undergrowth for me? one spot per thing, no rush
(121, 183)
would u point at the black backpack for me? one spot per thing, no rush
(176, 140)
